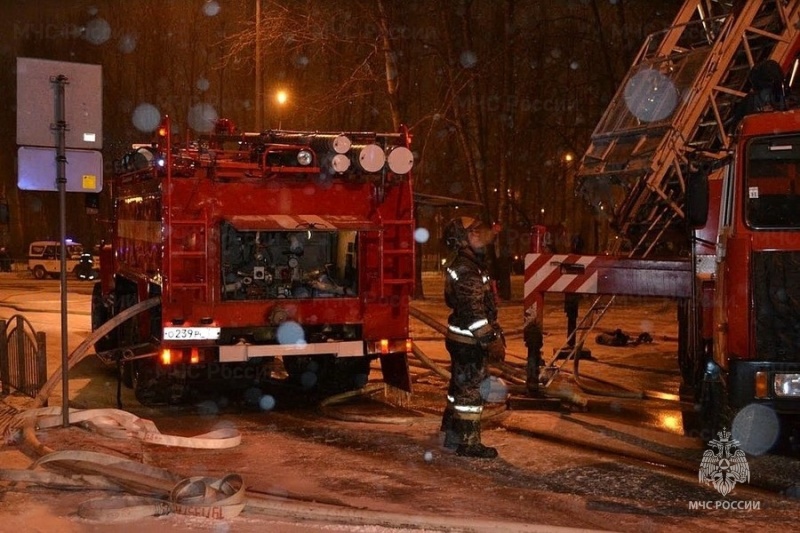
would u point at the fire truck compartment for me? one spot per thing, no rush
(282, 256)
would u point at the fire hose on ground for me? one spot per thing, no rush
(327, 404)
(158, 491)
(514, 375)
(507, 371)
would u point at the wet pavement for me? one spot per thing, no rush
(599, 462)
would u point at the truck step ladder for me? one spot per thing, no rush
(584, 328)
(397, 253)
(187, 255)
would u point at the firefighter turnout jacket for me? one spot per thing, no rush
(468, 292)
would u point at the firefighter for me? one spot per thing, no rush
(473, 335)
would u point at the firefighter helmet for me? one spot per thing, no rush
(456, 232)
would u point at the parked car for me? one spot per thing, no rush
(44, 258)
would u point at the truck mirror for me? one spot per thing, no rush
(697, 199)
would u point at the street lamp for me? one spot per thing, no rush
(566, 214)
(281, 97)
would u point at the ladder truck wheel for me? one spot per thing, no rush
(714, 407)
(690, 358)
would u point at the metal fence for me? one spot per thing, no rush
(23, 357)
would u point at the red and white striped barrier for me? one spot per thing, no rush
(601, 274)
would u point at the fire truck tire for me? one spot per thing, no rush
(148, 387)
(690, 361)
(100, 315)
(714, 408)
(128, 332)
(346, 375)
(126, 374)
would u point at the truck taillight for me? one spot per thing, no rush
(761, 385)
(175, 356)
(387, 346)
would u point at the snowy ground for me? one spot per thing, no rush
(392, 463)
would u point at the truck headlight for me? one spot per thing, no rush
(787, 385)
(304, 157)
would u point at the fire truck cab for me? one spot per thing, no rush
(756, 305)
(278, 246)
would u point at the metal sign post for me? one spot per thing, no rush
(60, 128)
(38, 82)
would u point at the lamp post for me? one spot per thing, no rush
(259, 85)
(281, 97)
(567, 213)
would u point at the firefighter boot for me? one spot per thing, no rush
(469, 432)
(451, 440)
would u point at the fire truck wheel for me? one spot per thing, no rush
(690, 359)
(714, 409)
(128, 331)
(126, 373)
(100, 315)
(345, 375)
(690, 414)
(148, 388)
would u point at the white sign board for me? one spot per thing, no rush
(37, 170)
(36, 103)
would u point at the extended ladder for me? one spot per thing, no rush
(679, 98)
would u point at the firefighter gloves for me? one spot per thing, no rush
(496, 350)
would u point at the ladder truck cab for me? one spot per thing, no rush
(277, 246)
(700, 150)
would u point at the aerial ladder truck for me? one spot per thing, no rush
(698, 153)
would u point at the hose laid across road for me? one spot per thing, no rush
(157, 491)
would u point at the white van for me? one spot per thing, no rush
(44, 258)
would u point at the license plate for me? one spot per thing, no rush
(191, 334)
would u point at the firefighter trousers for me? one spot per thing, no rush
(461, 418)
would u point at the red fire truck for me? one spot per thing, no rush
(700, 150)
(278, 246)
